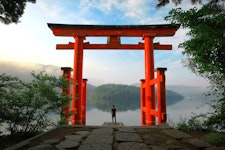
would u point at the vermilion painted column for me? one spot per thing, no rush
(84, 101)
(142, 102)
(161, 95)
(66, 71)
(77, 79)
(149, 75)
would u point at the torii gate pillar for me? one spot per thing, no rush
(149, 75)
(66, 71)
(77, 80)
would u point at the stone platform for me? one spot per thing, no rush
(113, 137)
(111, 124)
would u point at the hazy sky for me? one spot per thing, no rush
(31, 41)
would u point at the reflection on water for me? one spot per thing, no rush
(186, 108)
(98, 117)
(183, 109)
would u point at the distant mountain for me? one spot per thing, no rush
(173, 97)
(23, 70)
(184, 90)
(90, 88)
(125, 97)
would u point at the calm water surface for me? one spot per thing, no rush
(183, 109)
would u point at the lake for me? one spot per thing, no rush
(182, 109)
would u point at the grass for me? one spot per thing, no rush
(215, 138)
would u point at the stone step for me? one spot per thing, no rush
(112, 124)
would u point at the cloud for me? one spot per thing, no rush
(65, 12)
(133, 9)
(125, 10)
(52, 10)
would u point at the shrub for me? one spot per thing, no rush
(25, 106)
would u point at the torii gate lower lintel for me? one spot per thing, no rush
(113, 33)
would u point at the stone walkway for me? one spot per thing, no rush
(111, 137)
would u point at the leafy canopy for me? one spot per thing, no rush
(205, 50)
(176, 2)
(26, 107)
(12, 10)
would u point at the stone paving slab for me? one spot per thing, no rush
(127, 137)
(170, 144)
(112, 124)
(170, 147)
(67, 144)
(42, 147)
(132, 146)
(197, 143)
(106, 130)
(51, 141)
(100, 136)
(75, 138)
(100, 139)
(83, 133)
(126, 129)
(95, 147)
(163, 126)
(176, 134)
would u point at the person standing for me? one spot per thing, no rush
(113, 110)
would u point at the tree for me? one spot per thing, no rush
(204, 50)
(12, 10)
(162, 3)
(26, 107)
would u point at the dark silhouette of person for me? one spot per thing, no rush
(113, 110)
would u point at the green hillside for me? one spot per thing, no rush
(124, 97)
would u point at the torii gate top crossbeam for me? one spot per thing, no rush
(113, 30)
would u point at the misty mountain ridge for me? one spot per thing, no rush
(23, 71)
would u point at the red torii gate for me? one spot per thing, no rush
(114, 32)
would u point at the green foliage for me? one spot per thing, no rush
(216, 120)
(176, 2)
(162, 3)
(197, 126)
(204, 51)
(205, 48)
(124, 97)
(12, 10)
(193, 124)
(215, 138)
(25, 107)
